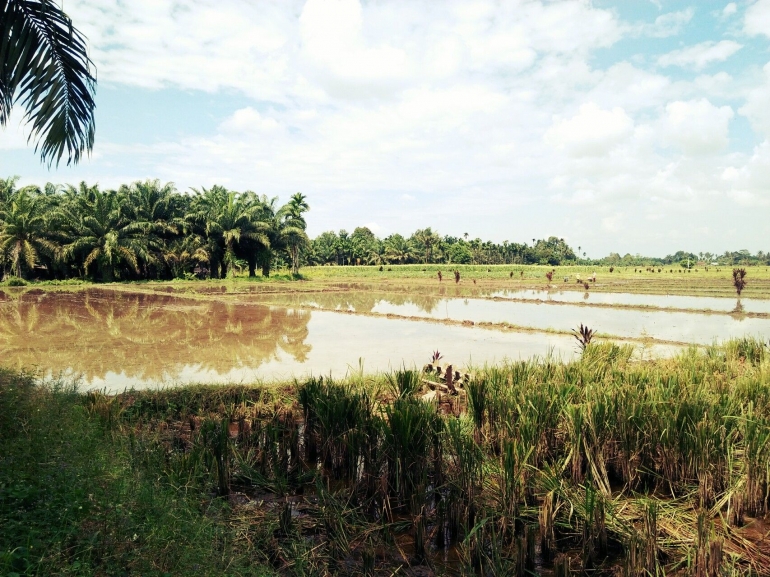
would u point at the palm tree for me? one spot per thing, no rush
(183, 254)
(228, 220)
(155, 210)
(426, 239)
(7, 188)
(44, 64)
(23, 229)
(293, 227)
(397, 249)
(100, 233)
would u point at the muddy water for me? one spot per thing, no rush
(683, 327)
(116, 340)
(669, 326)
(721, 304)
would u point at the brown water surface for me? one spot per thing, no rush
(682, 326)
(117, 339)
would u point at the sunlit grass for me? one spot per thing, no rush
(602, 463)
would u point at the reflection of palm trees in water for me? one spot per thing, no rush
(145, 336)
(360, 302)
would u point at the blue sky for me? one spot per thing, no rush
(629, 126)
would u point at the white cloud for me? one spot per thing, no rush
(729, 9)
(749, 183)
(332, 41)
(613, 223)
(14, 134)
(423, 113)
(591, 132)
(700, 55)
(248, 120)
(669, 24)
(626, 85)
(698, 126)
(721, 84)
(756, 19)
(756, 108)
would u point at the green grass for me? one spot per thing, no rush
(76, 498)
(716, 281)
(609, 464)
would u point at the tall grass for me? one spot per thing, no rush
(602, 464)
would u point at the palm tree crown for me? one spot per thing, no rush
(23, 233)
(98, 232)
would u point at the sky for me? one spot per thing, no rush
(629, 126)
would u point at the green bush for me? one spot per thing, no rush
(15, 281)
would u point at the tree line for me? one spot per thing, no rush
(425, 246)
(146, 230)
(687, 259)
(149, 230)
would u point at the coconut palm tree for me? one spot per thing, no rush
(99, 234)
(426, 240)
(44, 66)
(397, 249)
(23, 231)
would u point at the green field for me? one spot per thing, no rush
(716, 281)
(711, 281)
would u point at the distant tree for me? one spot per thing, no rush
(228, 220)
(363, 244)
(344, 247)
(324, 248)
(425, 241)
(397, 249)
(458, 253)
(156, 209)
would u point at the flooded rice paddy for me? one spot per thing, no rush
(673, 327)
(716, 304)
(117, 340)
(114, 339)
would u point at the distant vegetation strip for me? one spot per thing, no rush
(149, 230)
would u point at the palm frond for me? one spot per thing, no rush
(44, 64)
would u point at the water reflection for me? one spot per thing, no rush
(116, 339)
(687, 327)
(365, 302)
(147, 337)
(722, 304)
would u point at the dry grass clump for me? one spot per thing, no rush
(739, 279)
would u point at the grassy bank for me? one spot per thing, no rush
(83, 495)
(702, 281)
(474, 280)
(602, 465)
